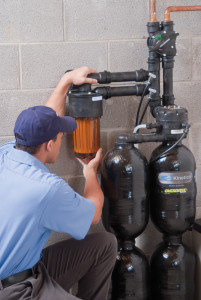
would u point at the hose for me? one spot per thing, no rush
(139, 106)
(174, 145)
(151, 78)
(144, 111)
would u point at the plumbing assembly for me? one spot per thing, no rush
(131, 185)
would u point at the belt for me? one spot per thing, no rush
(16, 278)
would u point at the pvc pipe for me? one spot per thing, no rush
(137, 128)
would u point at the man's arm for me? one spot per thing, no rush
(92, 189)
(58, 98)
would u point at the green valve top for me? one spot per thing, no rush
(159, 37)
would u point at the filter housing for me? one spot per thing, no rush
(86, 107)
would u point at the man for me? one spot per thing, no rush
(33, 202)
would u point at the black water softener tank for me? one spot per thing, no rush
(172, 206)
(125, 213)
(173, 270)
(173, 187)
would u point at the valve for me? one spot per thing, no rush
(163, 43)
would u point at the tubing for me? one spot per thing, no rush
(152, 8)
(108, 77)
(145, 138)
(179, 8)
(168, 96)
(154, 68)
(108, 92)
(137, 128)
(168, 65)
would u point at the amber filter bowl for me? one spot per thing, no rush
(86, 137)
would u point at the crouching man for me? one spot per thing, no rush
(34, 201)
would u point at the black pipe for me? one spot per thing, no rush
(107, 77)
(168, 96)
(154, 68)
(108, 92)
(168, 63)
(145, 137)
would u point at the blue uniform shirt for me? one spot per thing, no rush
(32, 203)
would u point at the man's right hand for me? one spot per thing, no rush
(91, 167)
(79, 76)
(58, 98)
(92, 189)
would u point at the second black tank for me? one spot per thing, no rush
(173, 189)
(173, 270)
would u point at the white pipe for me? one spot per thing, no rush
(139, 127)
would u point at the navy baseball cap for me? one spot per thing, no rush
(39, 124)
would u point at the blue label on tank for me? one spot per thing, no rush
(175, 177)
(164, 178)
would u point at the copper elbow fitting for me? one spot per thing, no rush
(179, 8)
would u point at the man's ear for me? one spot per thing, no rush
(49, 145)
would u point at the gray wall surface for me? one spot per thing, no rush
(41, 39)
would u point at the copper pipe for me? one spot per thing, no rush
(152, 8)
(179, 8)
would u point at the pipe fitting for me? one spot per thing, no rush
(179, 8)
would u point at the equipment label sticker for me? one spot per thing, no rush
(175, 191)
(175, 177)
(177, 131)
(97, 98)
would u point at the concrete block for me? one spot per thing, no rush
(194, 138)
(77, 184)
(128, 56)
(187, 239)
(6, 139)
(196, 241)
(186, 23)
(29, 21)
(149, 239)
(97, 228)
(114, 133)
(100, 19)
(56, 237)
(188, 95)
(147, 148)
(198, 179)
(198, 212)
(182, 70)
(9, 71)
(120, 112)
(13, 102)
(196, 50)
(66, 164)
(103, 142)
(44, 64)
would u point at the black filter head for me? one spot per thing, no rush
(85, 104)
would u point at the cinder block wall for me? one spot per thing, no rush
(40, 40)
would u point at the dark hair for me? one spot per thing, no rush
(30, 149)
